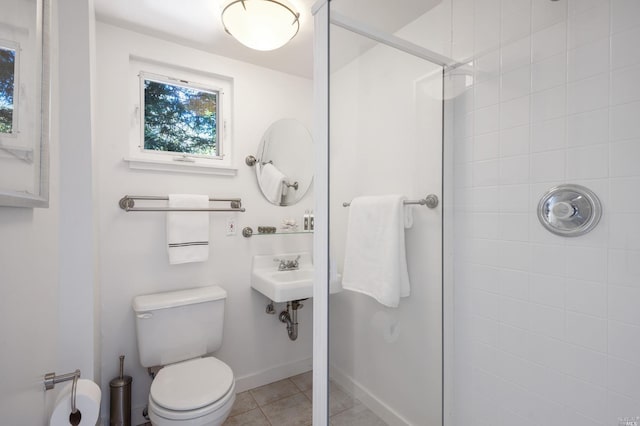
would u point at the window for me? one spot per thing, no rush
(181, 119)
(7, 84)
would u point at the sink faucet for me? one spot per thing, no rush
(287, 265)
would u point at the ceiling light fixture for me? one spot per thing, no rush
(260, 24)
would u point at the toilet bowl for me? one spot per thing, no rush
(198, 392)
(179, 330)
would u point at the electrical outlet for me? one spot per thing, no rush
(231, 226)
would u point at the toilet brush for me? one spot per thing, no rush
(120, 410)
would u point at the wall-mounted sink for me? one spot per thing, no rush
(287, 285)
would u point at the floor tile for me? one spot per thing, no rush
(288, 402)
(290, 411)
(273, 391)
(303, 381)
(339, 400)
(244, 402)
(253, 417)
(359, 415)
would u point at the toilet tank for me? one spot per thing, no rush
(179, 325)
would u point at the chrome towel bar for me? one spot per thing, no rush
(127, 203)
(430, 201)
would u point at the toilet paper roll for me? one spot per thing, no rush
(87, 402)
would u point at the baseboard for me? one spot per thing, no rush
(273, 374)
(355, 389)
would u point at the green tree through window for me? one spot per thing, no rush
(7, 76)
(180, 119)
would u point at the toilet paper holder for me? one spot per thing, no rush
(50, 381)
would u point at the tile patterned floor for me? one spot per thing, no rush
(288, 403)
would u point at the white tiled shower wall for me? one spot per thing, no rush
(547, 329)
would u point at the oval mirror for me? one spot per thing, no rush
(284, 162)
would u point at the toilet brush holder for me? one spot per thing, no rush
(120, 409)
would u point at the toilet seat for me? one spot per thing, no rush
(192, 389)
(212, 414)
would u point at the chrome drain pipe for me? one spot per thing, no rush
(290, 317)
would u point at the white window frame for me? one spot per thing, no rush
(15, 47)
(141, 158)
(218, 91)
(16, 144)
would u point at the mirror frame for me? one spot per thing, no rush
(12, 198)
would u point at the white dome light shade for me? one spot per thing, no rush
(260, 24)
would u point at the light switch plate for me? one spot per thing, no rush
(231, 226)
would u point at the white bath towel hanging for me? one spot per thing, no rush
(273, 183)
(188, 232)
(375, 261)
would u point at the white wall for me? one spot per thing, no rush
(385, 138)
(77, 248)
(28, 307)
(33, 273)
(133, 257)
(546, 328)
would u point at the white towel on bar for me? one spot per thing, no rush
(375, 261)
(188, 232)
(273, 183)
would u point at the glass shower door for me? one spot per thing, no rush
(385, 138)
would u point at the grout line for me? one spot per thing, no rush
(300, 391)
(275, 400)
(342, 411)
(265, 416)
(298, 387)
(246, 411)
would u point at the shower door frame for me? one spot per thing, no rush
(321, 195)
(323, 19)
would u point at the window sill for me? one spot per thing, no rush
(179, 167)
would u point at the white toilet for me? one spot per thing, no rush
(176, 330)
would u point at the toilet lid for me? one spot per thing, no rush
(191, 384)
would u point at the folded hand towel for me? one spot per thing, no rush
(273, 182)
(375, 262)
(188, 232)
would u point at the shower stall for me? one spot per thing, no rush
(492, 106)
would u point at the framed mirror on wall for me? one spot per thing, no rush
(24, 102)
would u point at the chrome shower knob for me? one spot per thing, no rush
(569, 210)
